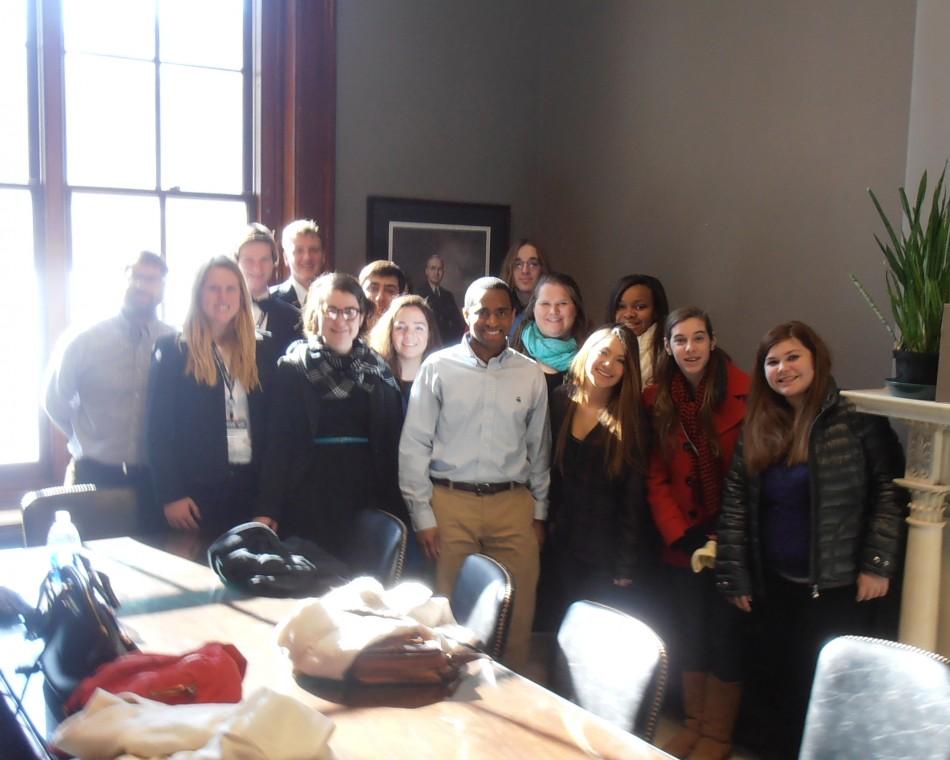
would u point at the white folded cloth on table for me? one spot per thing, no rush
(323, 636)
(265, 726)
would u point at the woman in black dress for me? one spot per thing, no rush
(206, 411)
(602, 532)
(333, 436)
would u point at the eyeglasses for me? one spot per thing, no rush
(530, 264)
(349, 313)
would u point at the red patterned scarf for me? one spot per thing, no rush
(705, 463)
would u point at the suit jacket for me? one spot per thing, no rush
(186, 432)
(283, 324)
(286, 292)
(447, 314)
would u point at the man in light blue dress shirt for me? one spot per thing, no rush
(474, 456)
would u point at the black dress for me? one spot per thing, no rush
(327, 458)
(601, 525)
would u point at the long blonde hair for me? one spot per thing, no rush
(624, 418)
(196, 332)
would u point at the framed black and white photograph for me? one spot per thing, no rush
(471, 238)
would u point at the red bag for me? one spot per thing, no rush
(211, 673)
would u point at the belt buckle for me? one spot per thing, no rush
(481, 489)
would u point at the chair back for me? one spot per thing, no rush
(378, 546)
(613, 665)
(481, 601)
(96, 512)
(878, 700)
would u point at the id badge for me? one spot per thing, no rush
(239, 442)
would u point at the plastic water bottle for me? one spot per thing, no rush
(63, 540)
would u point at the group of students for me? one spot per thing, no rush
(658, 443)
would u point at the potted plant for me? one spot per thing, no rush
(917, 257)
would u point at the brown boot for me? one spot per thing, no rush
(719, 718)
(694, 697)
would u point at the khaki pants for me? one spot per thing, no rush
(501, 526)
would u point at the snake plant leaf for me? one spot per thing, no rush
(917, 274)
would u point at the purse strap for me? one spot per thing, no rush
(78, 579)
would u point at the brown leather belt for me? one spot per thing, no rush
(481, 489)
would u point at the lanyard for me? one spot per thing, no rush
(226, 376)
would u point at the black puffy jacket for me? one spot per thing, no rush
(857, 511)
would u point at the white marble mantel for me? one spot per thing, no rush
(925, 613)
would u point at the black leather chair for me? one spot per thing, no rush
(612, 664)
(96, 512)
(378, 546)
(481, 601)
(878, 700)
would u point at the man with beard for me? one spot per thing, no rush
(97, 382)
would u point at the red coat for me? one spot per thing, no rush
(671, 485)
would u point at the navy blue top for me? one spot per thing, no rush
(785, 519)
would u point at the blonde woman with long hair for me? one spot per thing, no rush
(206, 407)
(602, 531)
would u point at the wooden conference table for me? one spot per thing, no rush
(170, 604)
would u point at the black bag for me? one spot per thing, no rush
(79, 625)
(250, 557)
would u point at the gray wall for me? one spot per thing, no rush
(435, 100)
(928, 145)
(725, 147)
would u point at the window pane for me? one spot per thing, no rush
(110, 27)
(110, 122)
(202, 129)
(14, 124)
(21, 340)
(206, 33)
(195, 231)
(107, 232)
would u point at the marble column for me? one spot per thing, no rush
(925, 616)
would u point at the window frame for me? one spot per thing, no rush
(289, 171)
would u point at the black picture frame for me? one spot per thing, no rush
(472, 238)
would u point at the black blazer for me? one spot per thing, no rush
(283, 324)
(186, 433)
(447, 314)
(286, 292)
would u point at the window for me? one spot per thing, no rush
(156, 123)
(154, 154)
(20, 339)
(142, 124)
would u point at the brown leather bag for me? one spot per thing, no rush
(405, 659)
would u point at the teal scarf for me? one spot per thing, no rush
(555, 352)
